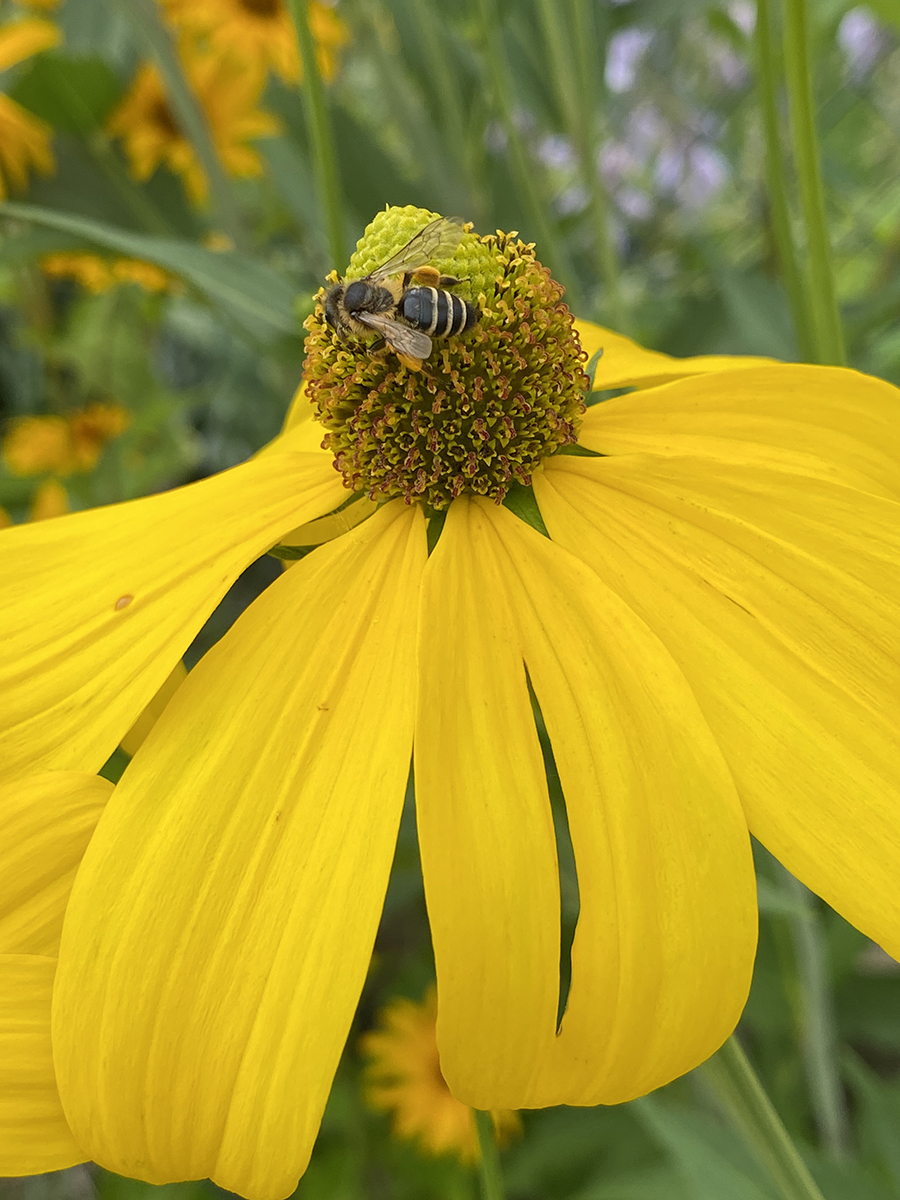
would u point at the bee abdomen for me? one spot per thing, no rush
(437, 312)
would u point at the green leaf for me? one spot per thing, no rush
(658, 1183)
(252, 295)
(879, 1112)
(712, 1161)
(74, 95)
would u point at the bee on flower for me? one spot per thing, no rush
(697, 583)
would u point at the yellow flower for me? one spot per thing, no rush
(63, 445)
(404, 1078)
(228, 95)
(24, 139)
(260, 34)
(98, 275)
(708, 624)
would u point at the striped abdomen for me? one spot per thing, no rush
(436, 311)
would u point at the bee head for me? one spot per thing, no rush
(332, 306)
(355, 295)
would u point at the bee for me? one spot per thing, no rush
(406, 316)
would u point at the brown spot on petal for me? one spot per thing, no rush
(122, 602)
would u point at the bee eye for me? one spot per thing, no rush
(355, 295)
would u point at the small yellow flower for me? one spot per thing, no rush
(704, 602)
(24, 138)
(260, 34)
(227, 93)
(63, 445)
(96, 274)
(404, 1078)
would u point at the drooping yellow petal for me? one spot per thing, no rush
(625, 363)
(221, 924)
(779, 597)
(822, 421)
(485, 827)
(99, 606)
(34, 1136)
(664, 946)
(137, 734)
(46, 822)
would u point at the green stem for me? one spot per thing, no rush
(821, 295)
(321, 135)
(144, 15)
(550, 250)
(744, 1101)
(767, 76)
(490, 1174)
(818, 1033)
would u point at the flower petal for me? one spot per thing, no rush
(46, 822)
(779, 596)
(100, 605)
(137, 734)
(664, 946)
(20, 39)
(625, 363)
(821, 421)
(221, 925)
(34, 1136)
(485, 826)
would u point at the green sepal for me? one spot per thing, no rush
(591, 369)
(523, 502)
(575, 450)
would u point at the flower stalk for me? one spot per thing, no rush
(742, 1098)
(820, 291)
(816, 1019)
(768, 75)
(490, 1174)
(321, 134)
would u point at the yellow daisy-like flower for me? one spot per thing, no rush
(99, 275)
(228, 94)
(63, 445)
(260, 33)
(404, 1078)
(24, 138)
(708, 620)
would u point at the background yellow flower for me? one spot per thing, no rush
(62, 445)
(24, 138)
(228, 94)
(259, 33)
(403, 1078)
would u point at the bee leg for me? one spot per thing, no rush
(411, 364)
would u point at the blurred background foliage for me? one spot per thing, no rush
(161, 237)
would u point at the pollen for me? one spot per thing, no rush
(485, 408)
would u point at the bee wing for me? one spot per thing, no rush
(400, 337)
(436, 240)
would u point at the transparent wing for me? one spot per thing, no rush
(436, 240)
(400, 337)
